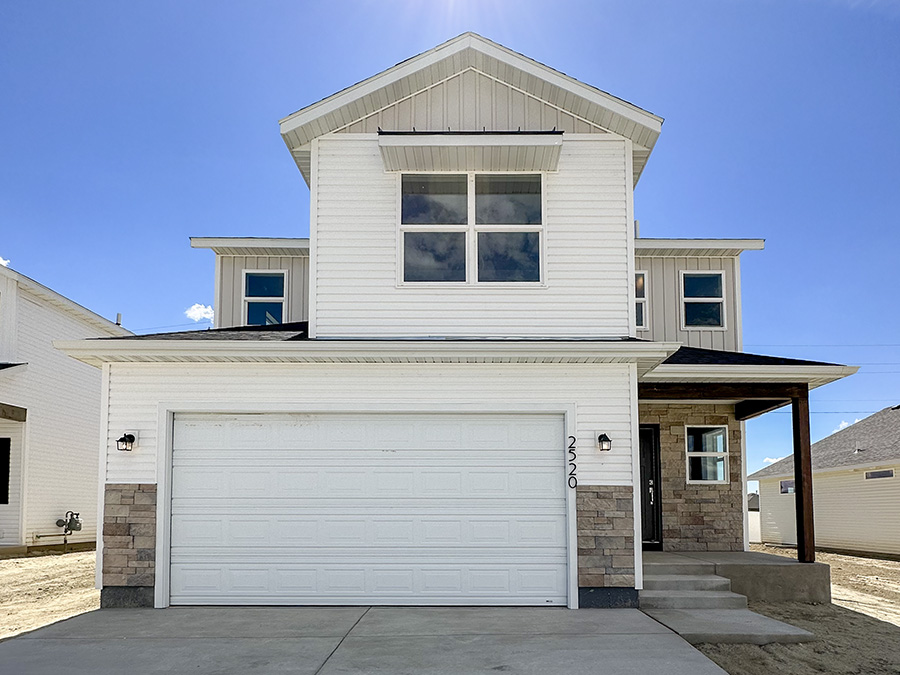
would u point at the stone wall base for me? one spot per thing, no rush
(126, 596)
(605, 598)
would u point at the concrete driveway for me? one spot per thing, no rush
(354, 640)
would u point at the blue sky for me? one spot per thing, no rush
(125, 128)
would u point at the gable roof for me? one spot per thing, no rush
(877, 437)
(470, 51)
(64, 304)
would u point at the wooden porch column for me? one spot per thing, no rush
(803, 497)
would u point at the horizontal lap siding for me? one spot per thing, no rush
(357, 253)
(600, 394)
(63, 401)
(777, 518)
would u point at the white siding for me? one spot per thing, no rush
(587, 237)
(229, 303)
(664, 303)
(778, 520)
(62, 397)
(850, 512)
(11, 513)
(600, 395)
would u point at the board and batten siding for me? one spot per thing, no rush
(599, 393)
(11, 513)
(62, 397)
(356, 248)
(664, 301)
(229, 303)
(851, 512)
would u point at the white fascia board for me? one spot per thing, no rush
(426, 140)
(64, 304)
(815, 376)
(248, 242)
(97, 352)
(724, 244)
(465, 41)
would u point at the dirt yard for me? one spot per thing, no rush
(859, 633)
(41, 589)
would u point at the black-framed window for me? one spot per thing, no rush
(5, 459)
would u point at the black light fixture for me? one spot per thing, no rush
(604, 442)
(126, 443)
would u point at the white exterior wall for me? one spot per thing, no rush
(664, 301)
(850, 512)
(599, 396)
(62, 397)
(11, 513)
(355, 249)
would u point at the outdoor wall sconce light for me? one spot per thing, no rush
(604, 443)
(126, 443)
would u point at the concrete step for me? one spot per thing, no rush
(667, 599)
(737, 626)
(690, 568)
(686, 582)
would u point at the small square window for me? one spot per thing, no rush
(786, 487)
(264, 313)
(703, 299)
(264, 296)
(434, 200)
(508, 200)
(707, 454)
(509, 256)
(265, 285)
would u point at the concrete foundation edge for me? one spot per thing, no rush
(126, 596)
(607, 598)
(802, 582)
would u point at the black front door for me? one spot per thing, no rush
(651, 509)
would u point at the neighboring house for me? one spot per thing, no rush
(753, 518)
(49, 415)
(856, 480)
(472, 385)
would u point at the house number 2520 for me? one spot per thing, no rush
(573, 479)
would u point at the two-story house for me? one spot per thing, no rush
(49, 417)
(472, 384)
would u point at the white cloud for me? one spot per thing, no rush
(4, 262)
(198, 312)
(772, 460)
(844, 424)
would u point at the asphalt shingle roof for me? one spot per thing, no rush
(877, 439)
(695, 356)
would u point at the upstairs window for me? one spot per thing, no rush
(707, 454)
(264, 298)
(703, 295)
(469, 228)
(640, 300)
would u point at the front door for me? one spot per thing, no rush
(651, 509)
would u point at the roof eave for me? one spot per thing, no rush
(814, 376)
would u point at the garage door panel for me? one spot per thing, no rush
(426, 509)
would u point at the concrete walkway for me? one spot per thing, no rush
(354, 640)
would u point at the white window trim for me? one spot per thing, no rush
(643, 301)
(868, 471)
(471, 229)
(687, 455)
(245, 301)
(785, 480)
(684, 300)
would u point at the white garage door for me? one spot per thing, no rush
(369, 509)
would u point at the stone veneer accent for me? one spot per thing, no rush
(129, 545)
(697, 517)
(605, 536)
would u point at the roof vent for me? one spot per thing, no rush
(858, 450)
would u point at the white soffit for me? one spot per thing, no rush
(814, 376)
(253, 246)
(680, 248)
(470, 152)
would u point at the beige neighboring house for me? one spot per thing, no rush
(49, 415)
(856, 484)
